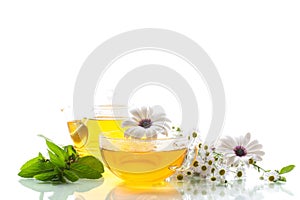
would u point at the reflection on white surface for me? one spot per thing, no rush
(113, 189)
(237, 190)
(125, 192)
(60, 192)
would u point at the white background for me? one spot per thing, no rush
(255, 46)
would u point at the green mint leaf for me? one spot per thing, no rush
(47, 176)
(36, 168)
(287, 169)
(57, 150)
(32, 161)
(87, 167)
(41, 156)
(58, 170)
(83, 171)
(63, 163)
(91, 162)
(56, 160)
(71, 176)
(58, 180)
(71, 152)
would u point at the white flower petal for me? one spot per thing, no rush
(150, 112)
(158, 122)
(151, 133)
(166, 126)
(240, 140)
(157, 128)
(136, 114)
(141, 113)
(236, 161)
(161, 120)
(138, 132)
(222, 149)
(246, 139)
(129, 123)
(229, 142)
(224, 144)
(165, 132)
(260, 153)
(128, 131)
(160, 130)
(158, 109)
(161, 124)
(254, 142)
(144, 112)
(226, 147)
(157, 116)
(229, 154)
(137, 120)
(255, 147)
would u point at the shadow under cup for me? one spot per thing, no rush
(143, 160)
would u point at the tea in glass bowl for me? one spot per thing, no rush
(143, 160)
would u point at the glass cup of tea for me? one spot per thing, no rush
(106, 121)
(143, 160)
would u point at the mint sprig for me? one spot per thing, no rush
(63, 164)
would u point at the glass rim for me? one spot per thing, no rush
(110, 106)
(110, 111)
(143, 140)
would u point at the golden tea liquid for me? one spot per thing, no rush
(85, 133)
(149, 166)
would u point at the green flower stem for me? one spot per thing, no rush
(259, 168)
(218, 154)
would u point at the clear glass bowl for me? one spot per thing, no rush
(143, 160)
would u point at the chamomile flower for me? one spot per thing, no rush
(195, 166)
(210, 160)
(227, 162)
(205, 152)
(271, 176)
(146, 122)
(240, 173)
(204, 170)
(240, 149)
(179, 176)
(221, 173)
(189, 173)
